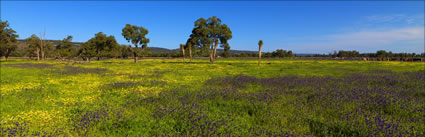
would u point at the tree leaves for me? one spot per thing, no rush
(8, 41)
(101, 42)
(208, 32)
(136, 35)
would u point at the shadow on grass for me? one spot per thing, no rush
(30, 65)
(67, 70)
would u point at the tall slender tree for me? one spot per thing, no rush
(189, 44)
(260, 45)
(137, 36)
(182, 50)
(42, 44)
(8, 41)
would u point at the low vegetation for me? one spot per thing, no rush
(166, 97)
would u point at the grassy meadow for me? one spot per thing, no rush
(233, 97)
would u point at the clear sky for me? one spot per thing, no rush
(304, 27)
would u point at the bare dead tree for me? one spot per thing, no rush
(182, 49)
(42, 44)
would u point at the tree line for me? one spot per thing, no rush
(207, 35)
(377, 54)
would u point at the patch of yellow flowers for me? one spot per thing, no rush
(39, 118)
(7, 89)
(90, 99)
(80, 85)
(144, 91)
(68, 101)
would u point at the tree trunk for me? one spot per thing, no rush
(87, 59)
(98, 54)
(141, 52)
(182, 48)
(190, 53)
(135, 57)
(215, 48)
(135, 54)
(42, 50)
(38, 54)
(42, 43)
(7, 55)
(211, 50)
(259, 55)
(42, 53)
(211, 57)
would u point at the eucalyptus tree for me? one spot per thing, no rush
(290, 54)
(137, 36)
(87, 51)
(260, 45)
(8, 41)
(65, 48)
(210, 33)
(34, 45)
(48, 49)
(126, 51)
(102, 44)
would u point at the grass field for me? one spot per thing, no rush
(164, 97)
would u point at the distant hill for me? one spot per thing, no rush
(159, 49)
(21, 41)
(305, 54)
(55, 42)
(165, 50)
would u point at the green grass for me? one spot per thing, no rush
(151, 98)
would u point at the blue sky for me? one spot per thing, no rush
(304, 27)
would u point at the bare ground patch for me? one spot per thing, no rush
(79, 70)
(30, 65)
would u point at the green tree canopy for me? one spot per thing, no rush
(34, 45)
(260, 43)
(282, 53)
(137, 36)
(87, 51)
(102, 44)
(8, 39)
(126, 51)
(210, 33)
(381, 53)
(226, 48)
(65, 48)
